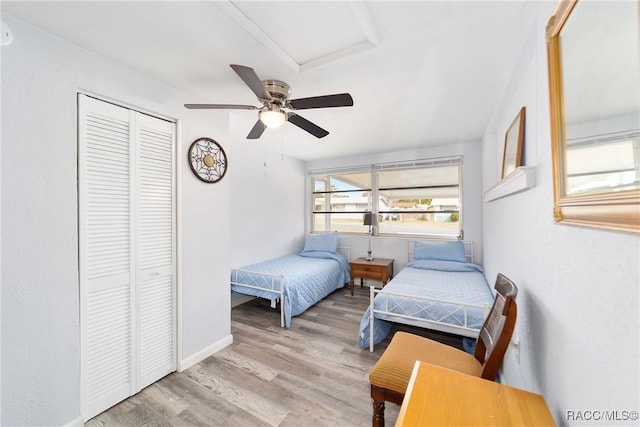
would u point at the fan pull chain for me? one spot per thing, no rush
(282, 143)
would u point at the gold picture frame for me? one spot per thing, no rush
(513, 142)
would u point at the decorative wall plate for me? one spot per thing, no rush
(207, 160)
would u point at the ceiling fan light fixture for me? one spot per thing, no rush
(272, 117)
(274, 97)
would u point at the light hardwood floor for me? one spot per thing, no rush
(312, 374)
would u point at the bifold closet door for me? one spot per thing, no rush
(155, 249)
(126, 245)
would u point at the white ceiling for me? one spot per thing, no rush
(420, 73)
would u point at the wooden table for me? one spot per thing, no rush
(378, 268)
(441, 397)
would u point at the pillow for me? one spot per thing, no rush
(450, 250)
(327, 242)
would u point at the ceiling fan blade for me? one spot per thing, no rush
(337, 100)
(219, 107)
(257, 130)
(306, 125)
(252, 80)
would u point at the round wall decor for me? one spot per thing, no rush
(207, 160)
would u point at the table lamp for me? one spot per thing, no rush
(368, 220)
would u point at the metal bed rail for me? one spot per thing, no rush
(436, 324)
(265, 282)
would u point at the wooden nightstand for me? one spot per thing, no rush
(378, 269)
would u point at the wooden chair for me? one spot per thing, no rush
(390, 375)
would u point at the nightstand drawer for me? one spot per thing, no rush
(378, 269)
(366, 271)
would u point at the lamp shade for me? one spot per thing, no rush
(272, 118)
(368, 218)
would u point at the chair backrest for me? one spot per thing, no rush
(497, 329)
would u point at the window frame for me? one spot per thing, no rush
(373, 199)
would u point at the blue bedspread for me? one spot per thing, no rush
(441, 280)
(308, 277)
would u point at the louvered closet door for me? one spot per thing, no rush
(127, 256)
(155, 240)
(106, 279)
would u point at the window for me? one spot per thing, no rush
(603, 164)
(417, 198)
(339, 200)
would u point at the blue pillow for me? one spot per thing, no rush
(327, 242)
(450, 250)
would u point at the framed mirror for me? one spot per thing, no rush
(593, 51)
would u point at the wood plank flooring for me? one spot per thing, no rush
(312, 374)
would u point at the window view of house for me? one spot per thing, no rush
(406, 200)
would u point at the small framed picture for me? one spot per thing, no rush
(513, 141)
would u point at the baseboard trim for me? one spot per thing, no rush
(204, 353)
(75, 423)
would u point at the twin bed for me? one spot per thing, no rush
(438, 289)
(298, 280)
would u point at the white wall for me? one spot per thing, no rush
(391, 247)
(267, 199)
(40, 357)
(578, 301)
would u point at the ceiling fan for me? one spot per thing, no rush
(274, 96)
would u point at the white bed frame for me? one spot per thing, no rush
(274, 283)
(437, 324)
